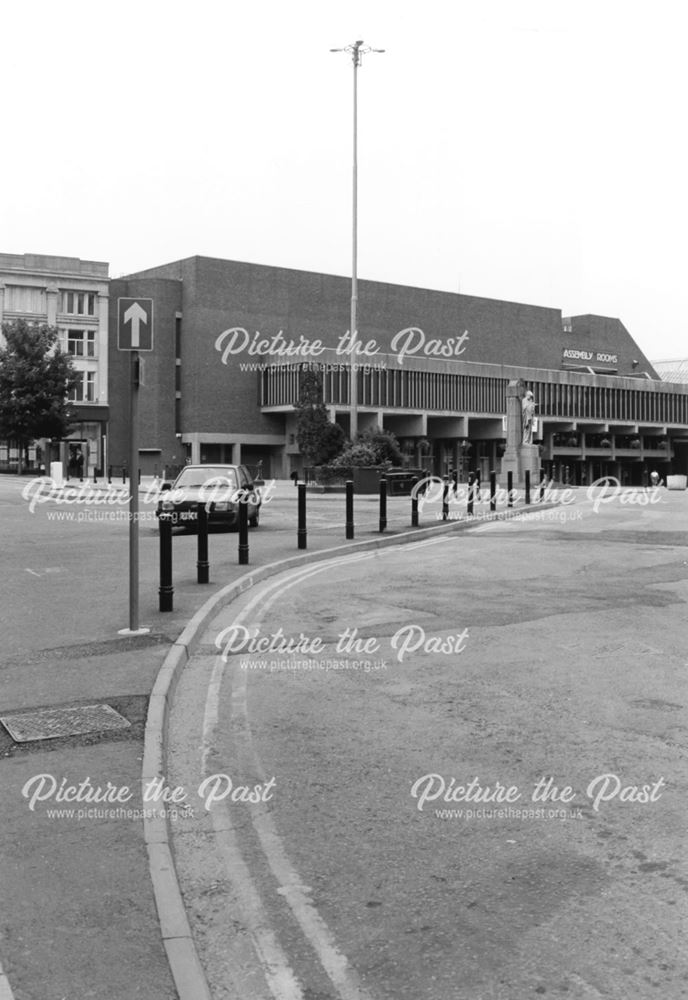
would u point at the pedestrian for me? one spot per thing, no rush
(655, 480)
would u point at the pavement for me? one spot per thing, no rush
(93, 908)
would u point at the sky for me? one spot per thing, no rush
(533, 150)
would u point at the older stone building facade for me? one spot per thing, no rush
(72, 295)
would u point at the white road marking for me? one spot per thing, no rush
(588, 990)
(279, 975)
(5, 988)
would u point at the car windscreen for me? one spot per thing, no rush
(203, 477)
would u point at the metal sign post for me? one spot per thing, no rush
(134, 334)
(134, 493)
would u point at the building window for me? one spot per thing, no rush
(23, 299)
(85, 389)
(79, 303)
(81, 343)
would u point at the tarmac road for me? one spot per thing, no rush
(78, 917)
(471, 766)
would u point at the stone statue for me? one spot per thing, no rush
(528, 417)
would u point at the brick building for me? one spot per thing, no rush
(221, 382)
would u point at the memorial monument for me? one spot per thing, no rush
(520, 454)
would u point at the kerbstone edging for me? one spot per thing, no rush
(187, 971)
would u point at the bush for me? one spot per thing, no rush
(384, 444)
(372, 447)
(360, 453)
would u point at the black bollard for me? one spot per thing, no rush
(471, 488)
(541, 493)
(527, 488)
(414, 503)
(445, 499)
(349, 508)
(243, 530)
(202, 564)
(109, 474)
(493, 491)
(166, 590)
(510, 489)
(383, 503)
(301, 533)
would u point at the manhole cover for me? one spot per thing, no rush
(51, 723)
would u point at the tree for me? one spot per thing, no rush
(317, 437)
(36, 377)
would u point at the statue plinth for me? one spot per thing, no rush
(530, 461)
(517, 461)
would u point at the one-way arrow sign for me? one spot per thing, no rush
(135, 324)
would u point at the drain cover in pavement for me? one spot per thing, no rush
(51, 723)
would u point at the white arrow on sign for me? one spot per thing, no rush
(135, 315)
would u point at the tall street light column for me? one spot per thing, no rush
(357, 51)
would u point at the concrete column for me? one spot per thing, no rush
(52, 294)
(456, 456)
(102, 348)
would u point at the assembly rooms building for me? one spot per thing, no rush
(231, 340)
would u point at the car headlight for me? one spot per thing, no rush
(166, 505)
(221, 506)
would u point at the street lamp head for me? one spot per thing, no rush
(357, 50)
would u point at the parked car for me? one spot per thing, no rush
(222, 488)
